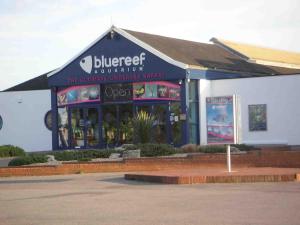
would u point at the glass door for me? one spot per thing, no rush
(110, 125)
(77, 127)
(126, 126)
(92, 127)
(160, 125)
(84, 127)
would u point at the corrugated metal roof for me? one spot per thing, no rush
(262, 53)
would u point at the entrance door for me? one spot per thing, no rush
(117, 124)
(84, 127)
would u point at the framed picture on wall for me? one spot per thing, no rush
(257, 117)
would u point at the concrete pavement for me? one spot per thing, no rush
(106, 198)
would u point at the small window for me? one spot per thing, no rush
(48, 120)
(257, 117)
(1, 122)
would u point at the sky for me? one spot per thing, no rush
(37, 36)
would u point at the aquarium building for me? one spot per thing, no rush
(90, 101)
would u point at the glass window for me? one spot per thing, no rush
(48, 120)
(257, 117)
(160, 125)
(1, 122)
(193, 111)
(175, 122)
(193, 90)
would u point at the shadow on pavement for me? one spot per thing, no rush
(32, 181)
(121, 180)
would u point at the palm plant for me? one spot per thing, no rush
(142, 124)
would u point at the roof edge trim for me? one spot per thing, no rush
(150, 48)
(271, 63)
(131, 38)
(229, 49)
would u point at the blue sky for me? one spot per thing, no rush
(39, 36)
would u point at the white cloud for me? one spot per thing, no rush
(37, 36)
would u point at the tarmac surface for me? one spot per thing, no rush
(106, 198)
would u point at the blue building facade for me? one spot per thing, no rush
(95, 96)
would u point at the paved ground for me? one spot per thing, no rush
(91, 199)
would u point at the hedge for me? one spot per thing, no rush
(10, 151)
(29, 159)
(212, 148)
(152, 150)
(79, 155)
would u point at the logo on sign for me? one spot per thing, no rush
(104, 64)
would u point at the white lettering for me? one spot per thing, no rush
(115, 62)
(103, 63)
(97, 62)
(136, 60)
(128, 61)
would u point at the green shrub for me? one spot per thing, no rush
(142, 125)
(152, 150)
(212, 148)
(10, 150)
(131, 147)
(69, 155)
(26, 160)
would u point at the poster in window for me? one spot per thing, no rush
(220, 120)
(78, 94)
(257, 117)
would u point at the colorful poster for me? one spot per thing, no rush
(162, 91)
(78, 94)
(151, 90)
(138, 91)
(156, 90)
(257, 117)
(220, 120)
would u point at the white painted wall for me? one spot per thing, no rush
(204, 91)
(280, 93)
(23, 115)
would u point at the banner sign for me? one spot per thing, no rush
(78, 94)
(159, 90)
(220, 115)
(116, 60)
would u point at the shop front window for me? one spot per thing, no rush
(63, 126)
(77, 124)
(110, 126)
(126, 126)
(176, 123)
(92, 123)
(160, 125)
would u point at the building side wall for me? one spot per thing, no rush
(204, 91)
(23, 116)
(281, 94)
